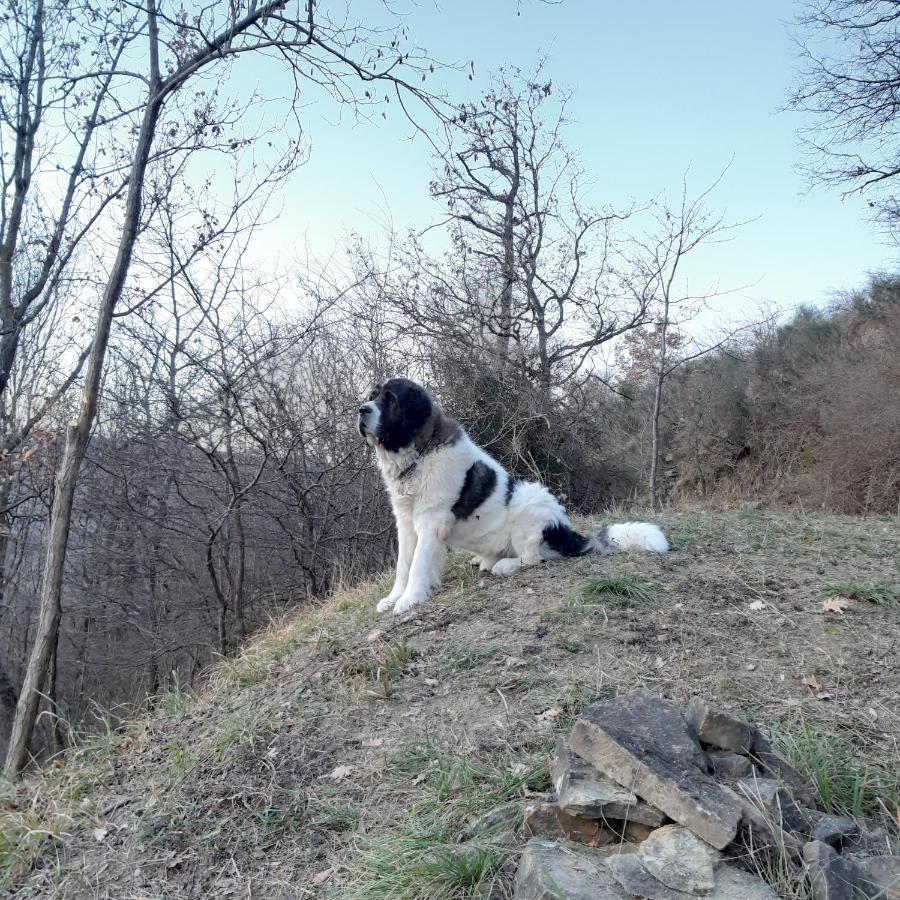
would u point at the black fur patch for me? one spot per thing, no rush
(404, 408)
(565, 541)
(479, 484)
(510, 487)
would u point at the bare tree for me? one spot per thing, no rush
(654, 274)
(179, 50)
(850, 82)
(527, 281)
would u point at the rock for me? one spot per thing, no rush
(643, 742)
(736, 884)
(548, 820)
(617, 848)
(762, 754)
(629, 870)
(761, 833)
(831, 877)
(583, 791)
(636, 833)
(679, 859)
(506, 817)
(556, 870)
(759, 791)
(836, 877)
(880, 874)
(776, 804)
(836, 831)
(726, 764)
(715, 726)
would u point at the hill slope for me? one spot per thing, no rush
(341, 754)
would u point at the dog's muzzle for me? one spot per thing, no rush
(362, 419)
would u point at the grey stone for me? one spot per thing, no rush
(583, 791)
(776, 803)
(736, 884)
(720, 729)
(617, 849)
(831, 877)
(879, 874)
(679, 859)
(764, 756)
(629, 870)
(761, 791)
(548, 820)
(506, 817)
(726, 764)
(761, 834)
(643, 743)
(837, 831)
(556, 870)
(635, 832)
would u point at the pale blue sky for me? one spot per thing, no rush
(659, 87)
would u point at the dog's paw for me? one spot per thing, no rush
(407, 602)
(386, 604)
(507, 566)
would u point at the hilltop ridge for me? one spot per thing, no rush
(343, 754)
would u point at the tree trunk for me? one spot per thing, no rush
(654, 447)
(77, 435)
(657, 407)
(509, 277)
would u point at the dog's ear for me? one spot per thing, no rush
(415, 406)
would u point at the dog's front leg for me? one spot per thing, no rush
(406, 547)
(427, 564)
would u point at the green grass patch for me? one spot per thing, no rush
(332, 815)
(846, 785)
(631, 588)
(428, 855)
(181, 758)
(236, 730)
(877, 592)
(275, 819)
(424, 863)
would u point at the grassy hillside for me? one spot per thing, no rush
(342, 754)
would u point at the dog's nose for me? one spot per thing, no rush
(363, 410)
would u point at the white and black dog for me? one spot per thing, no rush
(445, 491)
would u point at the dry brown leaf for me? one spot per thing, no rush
(549, 715)
(811, 682)
(835, 604)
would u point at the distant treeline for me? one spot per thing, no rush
(805, 412)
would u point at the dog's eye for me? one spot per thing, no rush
(373, 393)
(390, 397)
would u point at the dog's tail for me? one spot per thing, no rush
(629, 536)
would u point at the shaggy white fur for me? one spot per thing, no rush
(504, 532)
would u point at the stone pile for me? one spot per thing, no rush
(658, 803)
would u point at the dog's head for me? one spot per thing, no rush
(394, 414)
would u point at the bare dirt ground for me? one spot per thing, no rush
(309, 765)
